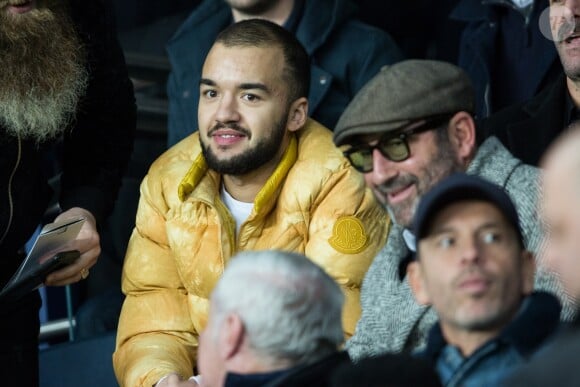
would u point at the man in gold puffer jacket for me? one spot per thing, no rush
(205, 199)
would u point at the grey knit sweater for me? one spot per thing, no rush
(391, 320)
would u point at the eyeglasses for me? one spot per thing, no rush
(393, 147)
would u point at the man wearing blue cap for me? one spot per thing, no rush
(472, 267)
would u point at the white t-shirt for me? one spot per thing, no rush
(410, 240)
(239, 210)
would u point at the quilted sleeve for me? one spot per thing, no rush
(347, 229)
(155, 334)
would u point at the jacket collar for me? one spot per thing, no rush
(552, 98)
(274, 183)
(538, 317)
(291, 24)
(325, 14)
(313, 374)
(472, 10)
(478, 10)
(215, 15)
(206, 21)
(493, 161)
(310, 374)
(545, 119)
(251, 380)
(262, 203)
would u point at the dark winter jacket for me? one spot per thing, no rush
(93, 153)
(529, 331)
(527, 129)
(344, 53)
(481, 47)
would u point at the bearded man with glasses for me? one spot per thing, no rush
(406, 130)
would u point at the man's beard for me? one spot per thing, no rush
(570, 27)
(42, 74)
(253, 158)
(502, 304)
(443, 164)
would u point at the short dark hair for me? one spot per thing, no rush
(260, 33)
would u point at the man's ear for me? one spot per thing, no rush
(417, 284)
(462, 136)
(528, 267)
(298, 114)
(232, 336)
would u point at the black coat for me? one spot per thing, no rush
(317, 374)
(480, 49)
(527, 129)
(93, 154)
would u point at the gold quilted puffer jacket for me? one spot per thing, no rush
(314, 203)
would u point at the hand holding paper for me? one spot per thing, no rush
(54, 248)
(87, 243)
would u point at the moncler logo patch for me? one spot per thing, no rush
(348, 235)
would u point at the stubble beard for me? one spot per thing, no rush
(441, 165)
(43, 73)
(499, 311)
(570, 58)
(570, 63)
(250, 160)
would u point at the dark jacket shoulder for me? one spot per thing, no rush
(528, 128)
(317, 374)
(537, 320)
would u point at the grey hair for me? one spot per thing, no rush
(291, 309)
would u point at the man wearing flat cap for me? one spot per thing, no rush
(406, 130)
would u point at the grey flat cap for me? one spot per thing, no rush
(405, 93)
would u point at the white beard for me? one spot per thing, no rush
(41, 117)
(40, 87)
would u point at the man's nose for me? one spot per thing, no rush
(383, 168)
(227, 109)
(470, 251)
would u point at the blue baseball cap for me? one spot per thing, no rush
(460, 187)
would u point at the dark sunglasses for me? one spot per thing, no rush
(394, 147)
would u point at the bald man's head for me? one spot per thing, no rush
(560, 208)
